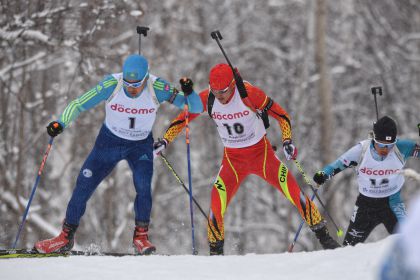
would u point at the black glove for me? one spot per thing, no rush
(54, 128)
(320, 177)
(159, 146)
(290, 151)
(186, 85)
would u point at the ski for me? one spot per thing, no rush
(28, 253)
(32, 253)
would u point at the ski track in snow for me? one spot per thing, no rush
(359, 262)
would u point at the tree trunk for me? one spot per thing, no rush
(324, 83)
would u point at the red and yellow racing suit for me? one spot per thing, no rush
(258, 158)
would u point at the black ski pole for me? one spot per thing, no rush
(339, 231)
(292, 245)
(217, 36)
(142, 30)
(186, 189)
(376, 91)
(41, 168)
(418, 126)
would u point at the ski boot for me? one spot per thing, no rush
(60, 244)
(141, 242)
(216, 248)
(324, 236)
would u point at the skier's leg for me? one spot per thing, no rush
(224, 189)
(362, 222)
(100, 162)
(277, 174)
(140, 160)
(395, 213)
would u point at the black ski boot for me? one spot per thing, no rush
(324, 236)
(216, 248)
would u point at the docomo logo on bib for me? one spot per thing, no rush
(141, 111)
(370, 171)
(219, 116)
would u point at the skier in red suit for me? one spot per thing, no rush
(247, 151)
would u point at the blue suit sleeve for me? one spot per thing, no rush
(408, 148)
(89, 99)
(349, 159)
(166, 92)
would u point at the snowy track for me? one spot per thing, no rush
(360, 262)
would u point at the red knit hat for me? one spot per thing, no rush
(220, 76)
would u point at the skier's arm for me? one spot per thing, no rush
(262, 102)
(349, 159)
(408, 148)
(89, 99)
(178, 124)
(166, 92)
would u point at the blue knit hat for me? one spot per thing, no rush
(135, 67)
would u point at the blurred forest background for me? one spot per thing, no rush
(318, 59)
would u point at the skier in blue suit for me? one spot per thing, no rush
(132, 99)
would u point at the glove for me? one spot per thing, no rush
(159, 146)
(186, 85)
(290, 151)
(54, 128)
(320, 177)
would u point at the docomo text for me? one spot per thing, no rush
(238, 115)
(142, 111)
(370, 171)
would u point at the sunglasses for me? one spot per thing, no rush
(136, 84)
(383, 145)
(221, 91)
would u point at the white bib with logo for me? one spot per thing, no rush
(130, 118)
(237, 124)
(380, 178)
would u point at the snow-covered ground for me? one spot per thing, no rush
(359, 262)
